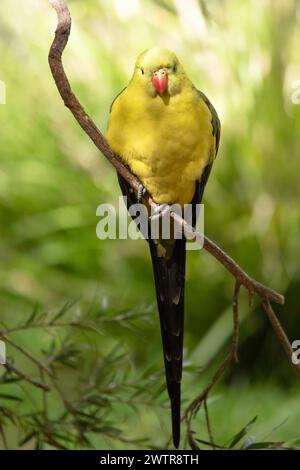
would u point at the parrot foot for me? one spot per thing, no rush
(160, 211)
(140, 192)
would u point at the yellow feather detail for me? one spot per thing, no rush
(166, 141)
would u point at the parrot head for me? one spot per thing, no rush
(159, 72)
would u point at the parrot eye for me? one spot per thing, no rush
(142, 70)
(174, 68)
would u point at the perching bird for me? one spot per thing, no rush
(167, 132)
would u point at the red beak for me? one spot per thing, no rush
(160, 81)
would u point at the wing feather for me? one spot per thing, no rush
(216, 132)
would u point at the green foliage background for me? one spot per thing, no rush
(245, 56)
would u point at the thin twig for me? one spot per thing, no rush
(280, 333)
(193, 408)
(25, 377)
(45, 397)
(209, 430)
(63, 324)
(27, 354)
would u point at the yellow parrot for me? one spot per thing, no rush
(167, 132)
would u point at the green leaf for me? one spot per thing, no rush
(242, 433)
(263, 445)
(6, 396)
(65, 308)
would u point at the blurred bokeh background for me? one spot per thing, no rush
(245, 56)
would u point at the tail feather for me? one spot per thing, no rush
(169, 278)
(175, 398)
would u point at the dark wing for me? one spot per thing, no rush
(111, 106)
(215, 121)
(216, 132)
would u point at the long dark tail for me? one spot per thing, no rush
(169, 278)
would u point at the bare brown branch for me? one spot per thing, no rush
(61, 38)
(281, 335)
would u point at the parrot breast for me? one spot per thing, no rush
(166, 141)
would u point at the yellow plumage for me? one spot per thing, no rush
(167, 132)
(165, 140)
